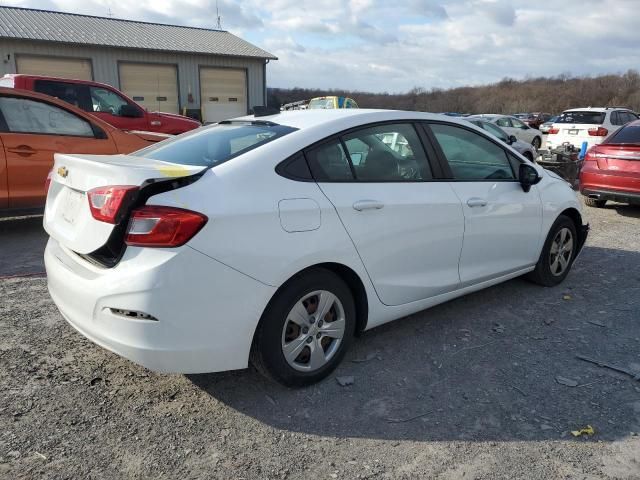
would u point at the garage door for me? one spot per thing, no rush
(78, 68)
(223, 93)
(152, 86)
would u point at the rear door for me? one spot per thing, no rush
(35, 130)
(406, 227)
(502, 222)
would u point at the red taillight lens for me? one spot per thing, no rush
(157, 226)
(106, 202)
(47, 182)
(598, 132)
(553, 131)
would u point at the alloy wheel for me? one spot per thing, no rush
(313, 331)
(561, 251)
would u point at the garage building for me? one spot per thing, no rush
(209, 74)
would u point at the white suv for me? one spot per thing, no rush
(591, 125)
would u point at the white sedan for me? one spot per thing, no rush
(513, 126)
(276, 239)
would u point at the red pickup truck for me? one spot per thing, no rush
(103, 101)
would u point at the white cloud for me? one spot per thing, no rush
(385, 46)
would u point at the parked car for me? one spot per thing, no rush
(534, 120)
(546, 126)
(523, 148)
(611, 170)
(103, 101)
(33, 127)
(591, 125)
(194, 256)
(331, 102)
(513, 126)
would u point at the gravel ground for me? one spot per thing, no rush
(475, 388)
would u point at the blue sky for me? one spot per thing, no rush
(377, 45)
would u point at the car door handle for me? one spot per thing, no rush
(155, 123)
(477, 202)
(24, 150)
(361, 205)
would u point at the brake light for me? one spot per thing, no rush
(47, 182)
(553, 131)
(106, 202)
(598, 132)
(158, 226)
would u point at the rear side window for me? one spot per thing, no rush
(471, 156)
(589, 118)
(629, 134)
(503, 122)
(214, 145)
(329, 162)
(73, 93)
(32, 116)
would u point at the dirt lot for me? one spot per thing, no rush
(469, 389)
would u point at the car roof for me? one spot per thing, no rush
(489, 116)
(598, 109)
(57, 79)
(305, 119)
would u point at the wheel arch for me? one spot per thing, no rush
(575, 216)
(350, 277)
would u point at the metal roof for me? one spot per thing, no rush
(32, 24)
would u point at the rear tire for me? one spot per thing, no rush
(558, 253)
(594, 202)
(304, 351)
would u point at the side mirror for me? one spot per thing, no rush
(128, 110)
(528, 175)
(512, 139)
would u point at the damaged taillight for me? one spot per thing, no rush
(107, 203)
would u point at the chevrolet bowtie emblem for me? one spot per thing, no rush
(63, 172)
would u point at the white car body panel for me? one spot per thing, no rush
(208, 295)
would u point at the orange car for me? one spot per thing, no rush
(32, 128)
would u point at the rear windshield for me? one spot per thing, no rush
(216, 144)
(591, 118)
(628, 134)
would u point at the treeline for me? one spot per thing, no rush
(546, 94)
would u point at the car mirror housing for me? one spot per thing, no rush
(130, 111)
(512, 139)
(528, 175)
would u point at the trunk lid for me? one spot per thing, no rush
(68, 216)
(623, 160)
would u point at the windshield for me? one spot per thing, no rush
(591, 118)
(211, 146)
(321, 103)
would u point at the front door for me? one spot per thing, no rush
(34, 131)
(406, 228)
(502, 221)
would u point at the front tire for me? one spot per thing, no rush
(557, 255)
(305, 330)
(594, 202)
(537, 143)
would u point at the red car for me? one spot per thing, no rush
(611, 170)
(103, 101)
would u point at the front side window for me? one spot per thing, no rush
(214, 145)
(503, 122)
(387, 153)
(518, 124)
(106, 101)
(471, 156)
(33, 116)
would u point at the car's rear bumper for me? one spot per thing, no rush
(202, 313)
(606, 185)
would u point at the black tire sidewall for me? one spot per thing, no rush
(543, 268)
(269, 336)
